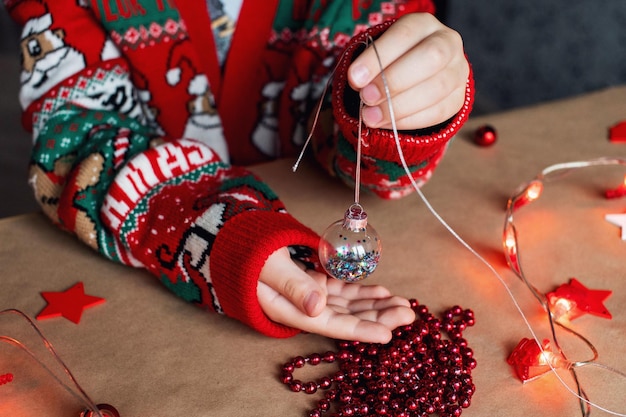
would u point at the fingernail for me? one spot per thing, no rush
(311, 302)
(370, 94)
(360, 74)
(372, 115)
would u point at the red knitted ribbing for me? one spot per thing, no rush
(240, 250)
(381, 141)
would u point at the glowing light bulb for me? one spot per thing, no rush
(534, 190)
(544, 358)
(510, 246)
(561, 308)
(530, 194)
(350, 249)
(510, 243)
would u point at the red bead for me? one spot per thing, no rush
(411, 404)
(354, 373)
(323, 405)
(331, 394)
(315, 359)
(6, 378)
(485, 135)
(456, 411)
(345, 397)
(346, 411)
(384, 395)
(296, 385)
(344, 355)
(325, 382)
(310, 387)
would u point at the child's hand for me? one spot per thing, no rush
(315, 303)
(425, 68)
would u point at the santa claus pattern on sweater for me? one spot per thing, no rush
(141, 130)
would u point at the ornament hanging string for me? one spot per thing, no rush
(349, 249)
(357, 174)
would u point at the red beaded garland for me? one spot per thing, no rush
(417, 374)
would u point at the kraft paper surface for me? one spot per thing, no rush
(150, 354)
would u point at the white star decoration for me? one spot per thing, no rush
(618, 220)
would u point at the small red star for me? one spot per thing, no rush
(585, 300)
(69, 303)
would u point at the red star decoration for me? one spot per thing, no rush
(528, 361)
(69, 303)
(585, 300)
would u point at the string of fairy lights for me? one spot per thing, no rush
(561, 306)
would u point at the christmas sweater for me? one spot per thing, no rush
(141, 132)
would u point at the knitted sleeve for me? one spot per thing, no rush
(381, 171)
(101, 170)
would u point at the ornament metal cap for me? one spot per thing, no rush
(355, 218)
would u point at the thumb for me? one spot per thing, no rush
(285, 277)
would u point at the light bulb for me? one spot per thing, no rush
(561, 308)
(349, 249)
(530, 194)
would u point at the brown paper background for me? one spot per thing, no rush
(150, 354)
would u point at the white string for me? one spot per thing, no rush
(57, 358)
(463, 242)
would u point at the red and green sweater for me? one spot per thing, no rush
(141, 133)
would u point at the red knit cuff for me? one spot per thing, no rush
(381, 142)
(239, 253)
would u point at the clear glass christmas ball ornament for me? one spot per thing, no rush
(350, 249)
